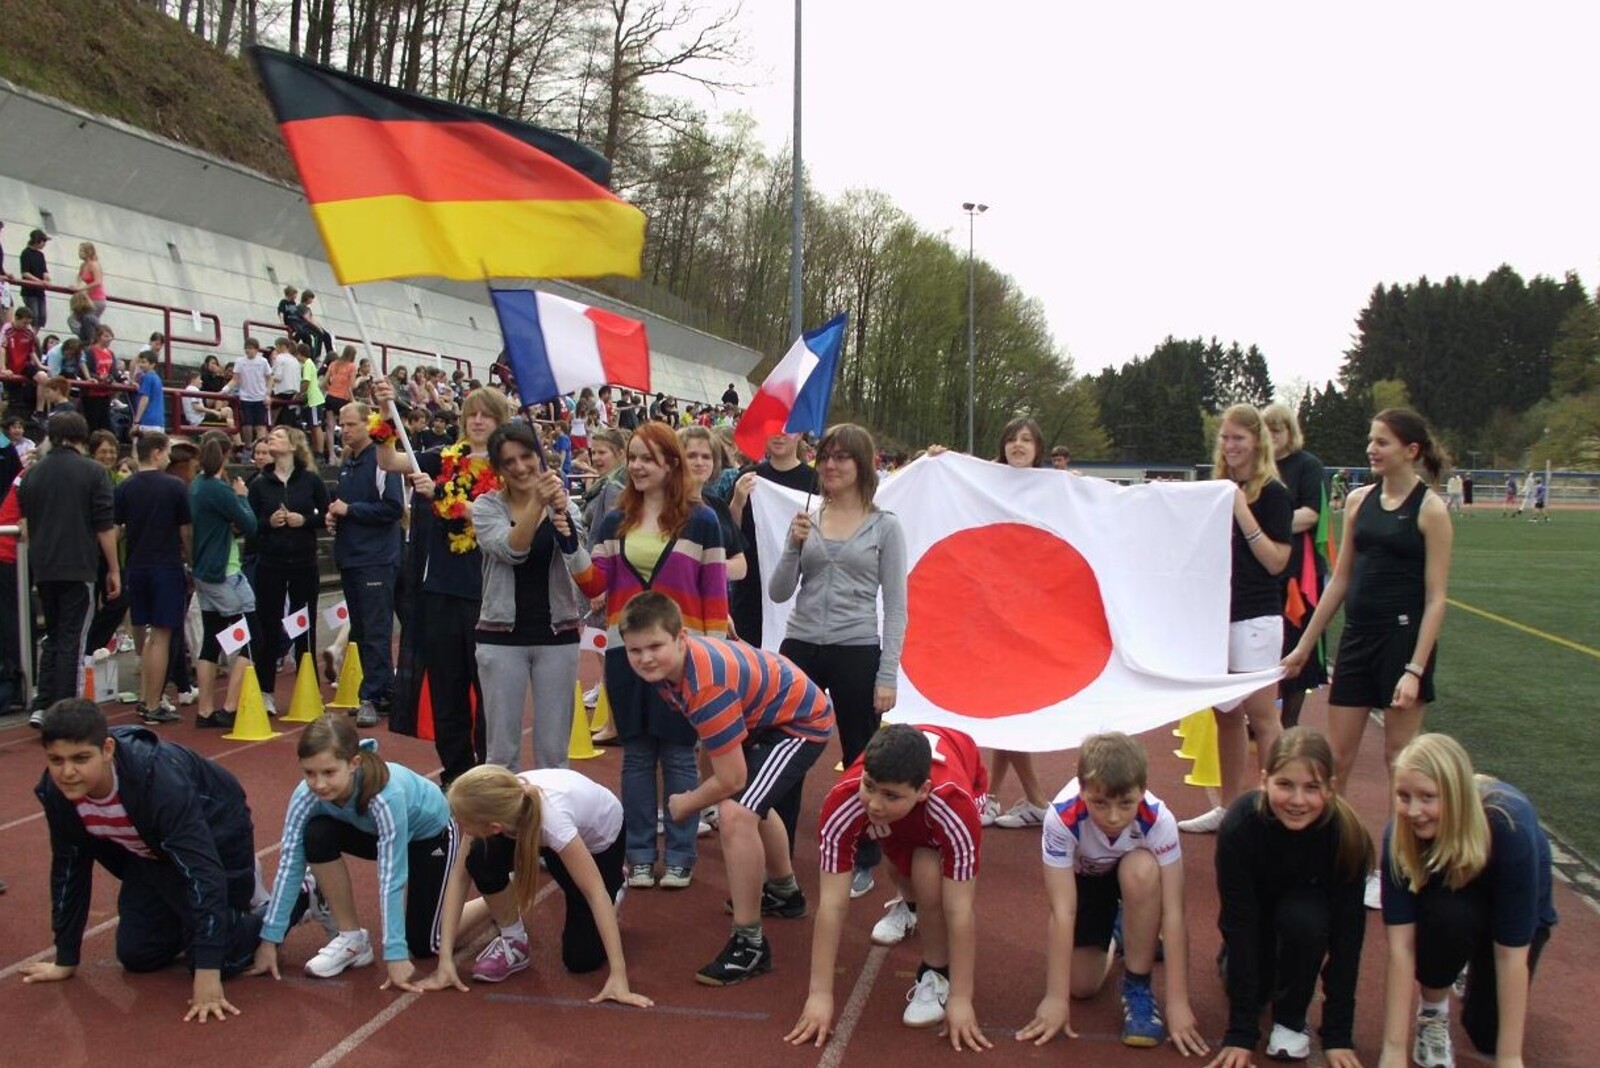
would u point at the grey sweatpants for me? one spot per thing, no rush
(505, 673)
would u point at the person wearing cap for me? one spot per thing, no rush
(35, 276)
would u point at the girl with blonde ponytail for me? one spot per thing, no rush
(512, 821)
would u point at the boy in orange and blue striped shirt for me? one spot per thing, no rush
(763, 723)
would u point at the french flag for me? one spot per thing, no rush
(559, 346)
(794, 398)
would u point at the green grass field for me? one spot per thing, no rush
(1528, 709)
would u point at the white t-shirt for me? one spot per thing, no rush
(285, 374)
(575, 807)
(194, 408)
(252, 373)
(1072, 840)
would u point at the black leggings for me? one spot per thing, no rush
(1454, 930)
(1292, 944)
(273, 583)
(429, 861)
(490, 863)
(850, 674)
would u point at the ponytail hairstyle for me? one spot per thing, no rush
(1459, 850)
(1246, 418)
(334, 734)
(1412, 429)
(489, 794)
(1310, 748)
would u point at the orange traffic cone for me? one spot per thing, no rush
(348, 695)
(581, 746)
(425, 710)
(88, 678)
(251, 724)
(306, 705)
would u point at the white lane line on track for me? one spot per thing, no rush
(834, 1053)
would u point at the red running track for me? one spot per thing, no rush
(541, 1017)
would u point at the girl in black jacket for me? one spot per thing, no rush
(290, 502)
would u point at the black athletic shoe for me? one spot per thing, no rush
(158, 714)
(788, 908)
(738, 961)
(221, 719)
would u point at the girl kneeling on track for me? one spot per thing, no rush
(354, 803)
(513, 820)
(1466, 897)
(1292, 862)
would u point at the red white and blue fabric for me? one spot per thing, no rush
(1045, 606)
(557, 346)
(794, 398)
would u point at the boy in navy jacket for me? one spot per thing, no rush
(172, 826)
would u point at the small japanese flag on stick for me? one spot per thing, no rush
(234, 636)
(593, 640)
(337, 615)
(297, 623)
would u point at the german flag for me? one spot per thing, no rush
(403, 186)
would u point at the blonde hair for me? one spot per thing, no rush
(1282, 417)
(489, 794)
(1459, 851)
(1246, 418)
(302, 448)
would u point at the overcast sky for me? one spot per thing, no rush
(1243, 170)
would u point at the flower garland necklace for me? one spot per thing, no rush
(463, 478)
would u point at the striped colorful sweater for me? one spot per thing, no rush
(692, 571)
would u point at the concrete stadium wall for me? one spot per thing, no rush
(178, 227)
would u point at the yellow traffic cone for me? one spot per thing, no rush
(306, 705)
(602, 712)
(581, 746)
(251, 723)
(348, 695)
(1202, 735)
(1188, 729)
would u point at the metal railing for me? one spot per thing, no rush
(168, 313)
(384, 348)
(24, 611)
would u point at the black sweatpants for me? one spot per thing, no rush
(449, 655)
(429, 861)
(274, 582)
(66, 607)
(1293, 943)
(491, 861)
(1454, 931)
(849, 673)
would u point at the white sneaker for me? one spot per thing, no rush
(991, 811)
(591, 697)
(352, 950)
(317, 908)
(1206, 823)
(703, 829)
(1022, 814)
(1372, 897)
(925, 1001)
(893, 928)
(1431, 1048)
(189, 696)
(1287, 1045)
(270, 703)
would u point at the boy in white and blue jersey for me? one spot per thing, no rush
(1111, 849)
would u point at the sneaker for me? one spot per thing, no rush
(1141, 1017)
(367, 715)
(1372, 897)
(125, 643)
(1022, 814)
(703, 830)
(1287, 1045)
(36, 718)
(925, 1000)
(861, 882)
(189, 696)
(221, 719)
(676, 877)
(159, 714)
(270, 703)
(1206, 823)
(1432, 1048)
(788, 908)
(353, 950)
(893, 928)
(591, 697)
(709, 815)
(317, 910)
(500, 960)
(739, 960)
(641, 876)
(991, 811)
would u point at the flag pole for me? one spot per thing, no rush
(394, 409)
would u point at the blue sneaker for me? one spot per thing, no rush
(1142, 1025)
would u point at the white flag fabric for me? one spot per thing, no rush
(592, 640)
(297, 623)
(1043, 606)
(336, 615)
(234, 637)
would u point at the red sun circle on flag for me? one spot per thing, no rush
(238, 634)
(342, 612)
(1004, 619)
(599, 641)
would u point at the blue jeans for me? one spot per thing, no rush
(640, 757)
(369, 594)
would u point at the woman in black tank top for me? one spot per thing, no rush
(1391, 576)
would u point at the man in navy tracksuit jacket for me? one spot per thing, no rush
(173, 826)
(365, 520)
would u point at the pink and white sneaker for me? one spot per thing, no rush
(500, 960)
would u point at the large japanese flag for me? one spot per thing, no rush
(1044, 607)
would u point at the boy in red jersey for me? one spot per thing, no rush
(763, 724)
(918, 791)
